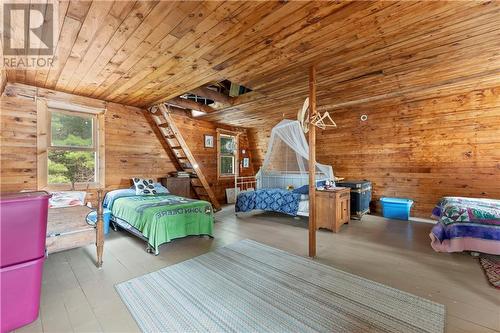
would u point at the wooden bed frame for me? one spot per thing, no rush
(67, 228)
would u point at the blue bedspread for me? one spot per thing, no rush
(269, 199)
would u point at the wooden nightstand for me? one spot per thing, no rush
(333, 208)
(180, 186)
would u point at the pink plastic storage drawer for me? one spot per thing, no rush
(20, 294)
(23, 226)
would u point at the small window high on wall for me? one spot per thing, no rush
(72, 151)
(227, 155)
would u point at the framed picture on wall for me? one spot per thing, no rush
(246, 162)
(209, 141)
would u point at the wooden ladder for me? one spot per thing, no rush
(173, 138)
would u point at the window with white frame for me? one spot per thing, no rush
(227, 155)
(72, 148)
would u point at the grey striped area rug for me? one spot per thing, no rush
(251, 287)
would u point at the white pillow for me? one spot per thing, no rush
(144, 186)
(159, 188)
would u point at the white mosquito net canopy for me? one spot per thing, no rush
(287, 158)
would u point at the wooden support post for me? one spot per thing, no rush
(99, 233)
(312, 163)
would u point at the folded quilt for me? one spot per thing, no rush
(447, 207)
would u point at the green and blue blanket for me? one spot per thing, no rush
(163, 217)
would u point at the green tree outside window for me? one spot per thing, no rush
(72, 153)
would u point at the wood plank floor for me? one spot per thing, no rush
(77, 297)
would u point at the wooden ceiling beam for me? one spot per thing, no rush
(241, 100)
(214, 95)
(189, 104)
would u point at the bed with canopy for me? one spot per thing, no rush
(282, 183)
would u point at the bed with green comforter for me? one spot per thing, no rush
(161, 218)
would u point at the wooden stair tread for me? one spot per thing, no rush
(170, 132)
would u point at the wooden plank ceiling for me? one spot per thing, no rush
(140, 53)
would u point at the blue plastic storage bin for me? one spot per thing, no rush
(92, 218)
(396, 208)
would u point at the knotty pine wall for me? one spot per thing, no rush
(17, 144)
(133, 148)
(193, 131)
(422, 148)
